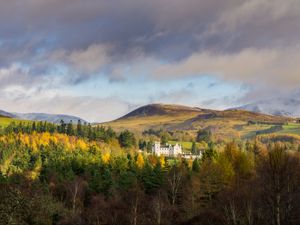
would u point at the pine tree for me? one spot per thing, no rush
(62, 127)
(196, 165)
(70, 129)
(194, 149)
(127, 139)
(33, 128)
(79, 129)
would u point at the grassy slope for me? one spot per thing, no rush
(224, 124)
(155, 122)
(291, 128)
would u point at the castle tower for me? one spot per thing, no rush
(156, 148)
(177, 149)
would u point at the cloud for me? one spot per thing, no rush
(94, 109)
(15, 74)
(263, 68)
(54, 45)
(171, 29)
(167, 30)
(85, 61)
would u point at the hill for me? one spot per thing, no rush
(224, 124)
(51, 118)
(6, 114)
(160, 110)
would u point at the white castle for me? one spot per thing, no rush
(168, 150)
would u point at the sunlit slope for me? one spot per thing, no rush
(224, 124)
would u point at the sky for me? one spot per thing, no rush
(99, 59)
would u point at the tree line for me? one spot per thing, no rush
(83, 130)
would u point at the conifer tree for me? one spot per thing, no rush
(70, 129)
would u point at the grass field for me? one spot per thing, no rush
(187, 145)
(291, 128)
(184, 144)
(249, 131)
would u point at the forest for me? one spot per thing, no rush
(82, 174)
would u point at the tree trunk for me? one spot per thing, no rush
(289, 202)
(233, 213)
(277, 209)
(249, 212)
(135, 211)
(74, 198)
(158, 209)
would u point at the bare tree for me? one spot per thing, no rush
(76, 189)
(174, 182)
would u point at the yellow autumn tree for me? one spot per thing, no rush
(162, 161)
(82, 145)
(106, 157)
(44, 138)
(140, 161)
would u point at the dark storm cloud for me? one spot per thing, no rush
(171, 29)
(94, 35)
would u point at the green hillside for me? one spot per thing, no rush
(291, 128)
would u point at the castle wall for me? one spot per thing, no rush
(167, 151)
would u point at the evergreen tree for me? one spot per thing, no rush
(127, 139)
(152, 178)
(79, 128)
(163, 139)
(196, 165)
(142, 144)
(62, 127)
(149, 146)
(210, 153)
(90, 132)
(194, 149)
(204, 135)
(33, 128)
(70, 129)
(107, 182)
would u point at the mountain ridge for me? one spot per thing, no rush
(160, 109)
(173, 109)
(52, 118)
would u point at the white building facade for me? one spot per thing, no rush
(167, 150)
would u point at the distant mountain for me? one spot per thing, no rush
(279, 107)
(6, 114)
(52, 118)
